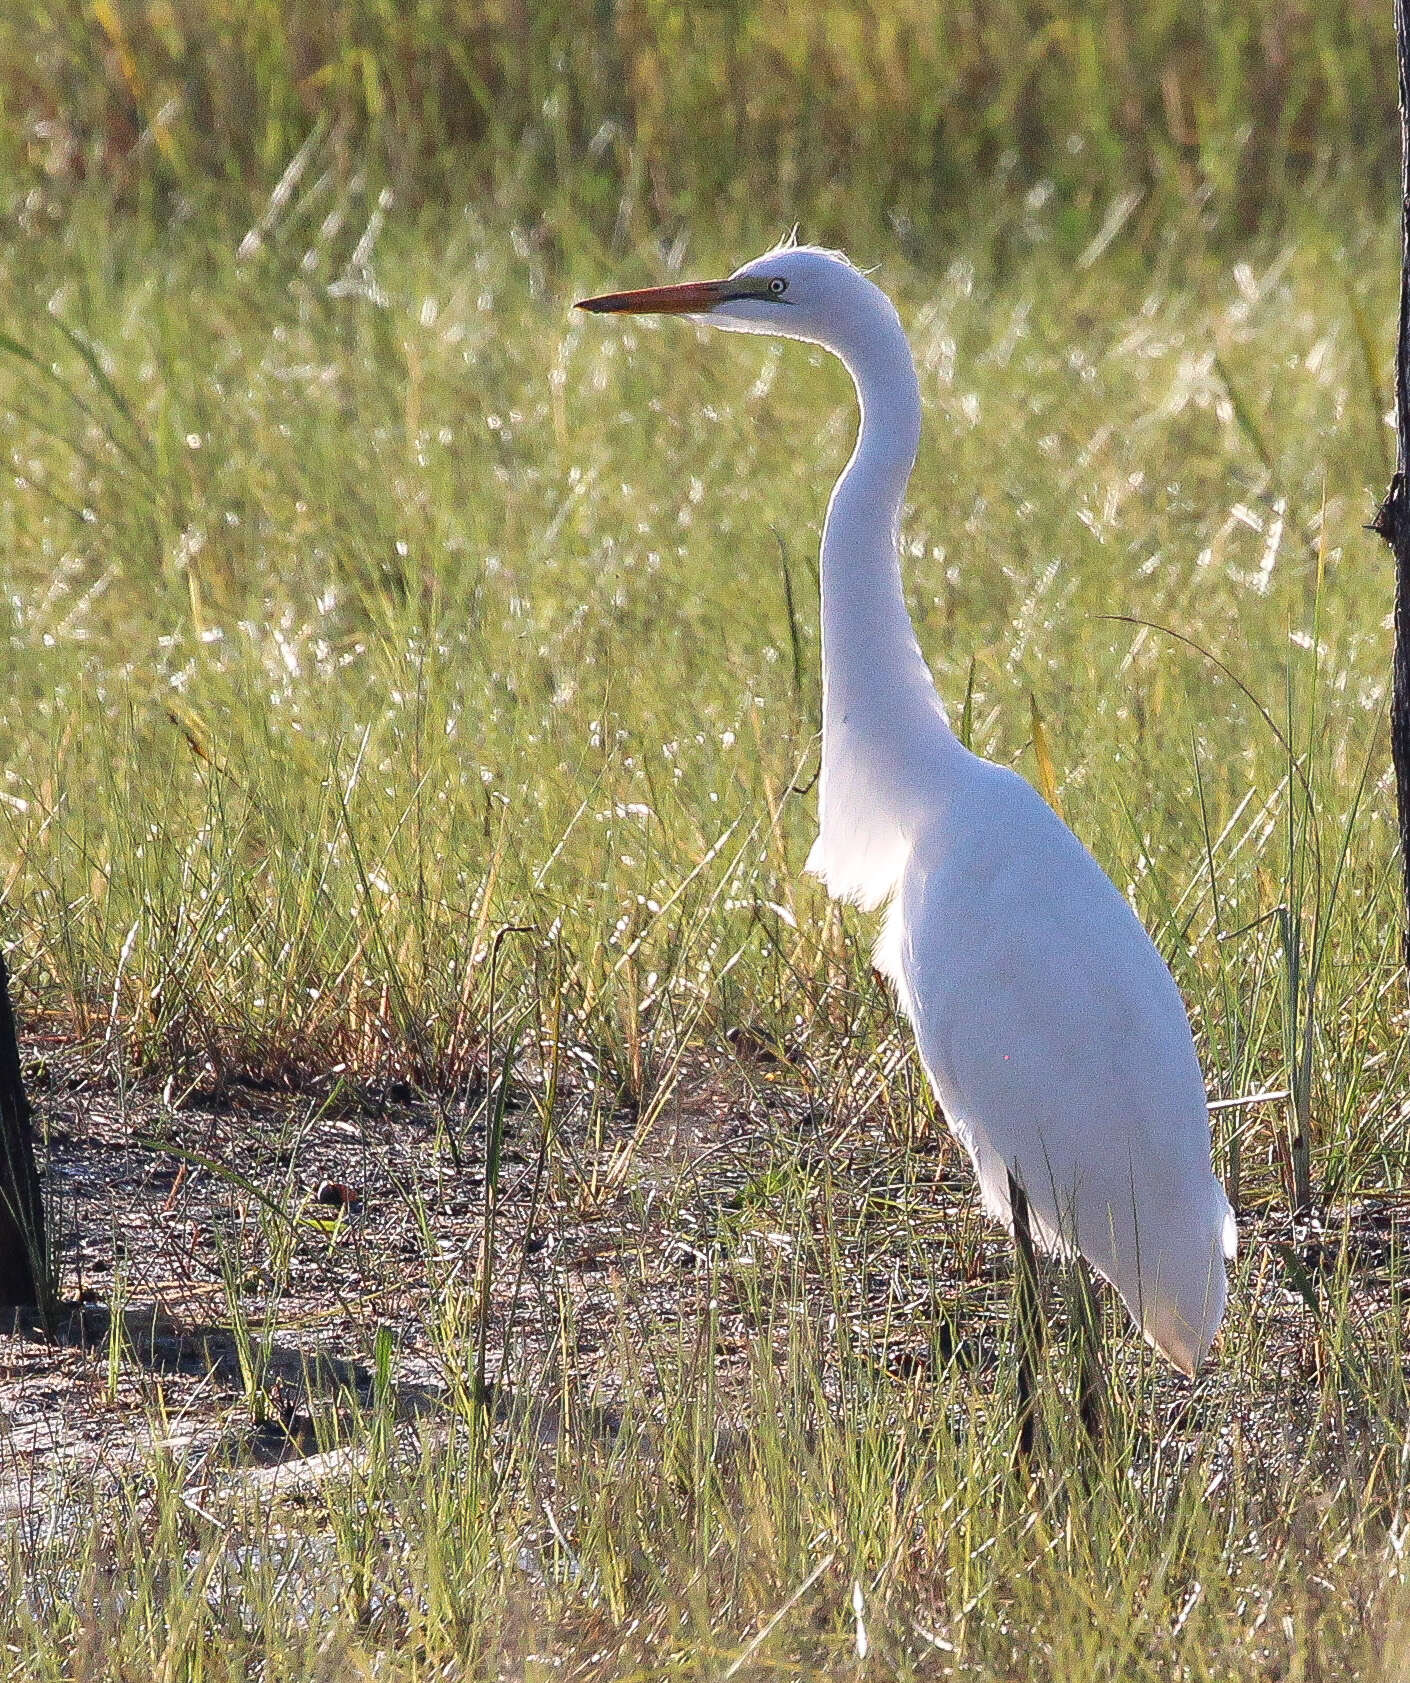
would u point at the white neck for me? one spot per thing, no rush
(885, 737)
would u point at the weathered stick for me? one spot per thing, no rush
(1392, 519)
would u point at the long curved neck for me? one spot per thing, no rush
(885, 736)
(869, 645)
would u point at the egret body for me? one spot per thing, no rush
(1053, 1034)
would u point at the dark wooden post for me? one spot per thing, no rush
(1393, 517)
(24, 1253)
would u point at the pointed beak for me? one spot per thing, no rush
(691, 298)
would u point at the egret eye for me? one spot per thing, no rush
(778, 286)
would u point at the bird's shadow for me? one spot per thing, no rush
(301, 1400)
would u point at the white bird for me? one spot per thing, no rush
(1053, 1033)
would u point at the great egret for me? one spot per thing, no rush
(1053, 1034)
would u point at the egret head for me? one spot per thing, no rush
(799, 292)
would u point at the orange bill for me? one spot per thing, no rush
(689, 298)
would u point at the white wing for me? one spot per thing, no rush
(1059, 1048)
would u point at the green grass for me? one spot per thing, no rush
(747, 1487)
(406, 674)
(345, 633)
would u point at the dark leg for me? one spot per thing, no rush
(1091, 1389)
(1028, 1320)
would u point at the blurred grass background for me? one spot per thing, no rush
(626, 116)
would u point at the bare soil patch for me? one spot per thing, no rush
(265, 1247)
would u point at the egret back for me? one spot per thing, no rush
(1059, 1049)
